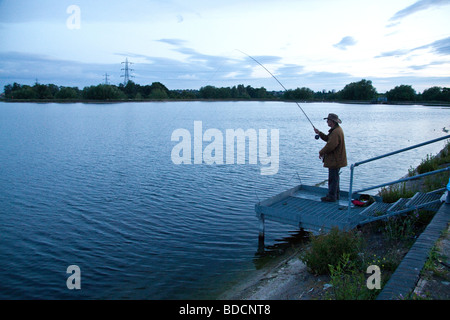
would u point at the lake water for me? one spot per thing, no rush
(94, 185)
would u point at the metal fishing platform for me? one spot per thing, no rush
(301, 206)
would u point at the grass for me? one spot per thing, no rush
(407, 189)
(433, 266)
(431, 163)
(400, 228)
(348, 282)
(327, 249)
(428, 164)
(338, 255)
(343, 258)
(392, 193)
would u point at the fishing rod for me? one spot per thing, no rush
(298, 105)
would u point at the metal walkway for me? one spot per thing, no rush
(301, 206)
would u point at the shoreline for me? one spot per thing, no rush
(285, 278)
(288, 278)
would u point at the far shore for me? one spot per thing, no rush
(68, 101)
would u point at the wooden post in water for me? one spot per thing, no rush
(262, 227)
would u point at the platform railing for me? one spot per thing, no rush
(353, 166)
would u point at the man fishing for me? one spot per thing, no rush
(333, 155)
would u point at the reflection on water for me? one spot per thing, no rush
(267, 253)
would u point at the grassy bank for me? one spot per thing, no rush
(341, 258)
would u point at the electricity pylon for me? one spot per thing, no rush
(127, 70)
(106, 78)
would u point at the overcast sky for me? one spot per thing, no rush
(319, 44)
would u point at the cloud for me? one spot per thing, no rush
(393, 24)
(345, 42)
(416, 7)
(192, 72)
(290, 70)
(196, 70)
(424, 66)
(179, 46)
(268, 59)
(25, 68)
(173, 42)
(394, 53)
(441, 47)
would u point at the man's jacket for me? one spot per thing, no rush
(333, 153)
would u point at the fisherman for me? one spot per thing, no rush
(333, 155)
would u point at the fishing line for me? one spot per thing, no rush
(298, 105)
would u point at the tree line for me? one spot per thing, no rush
(356, 91)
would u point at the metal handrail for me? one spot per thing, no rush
(352, 168)
(404, 179)
(402, 150)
